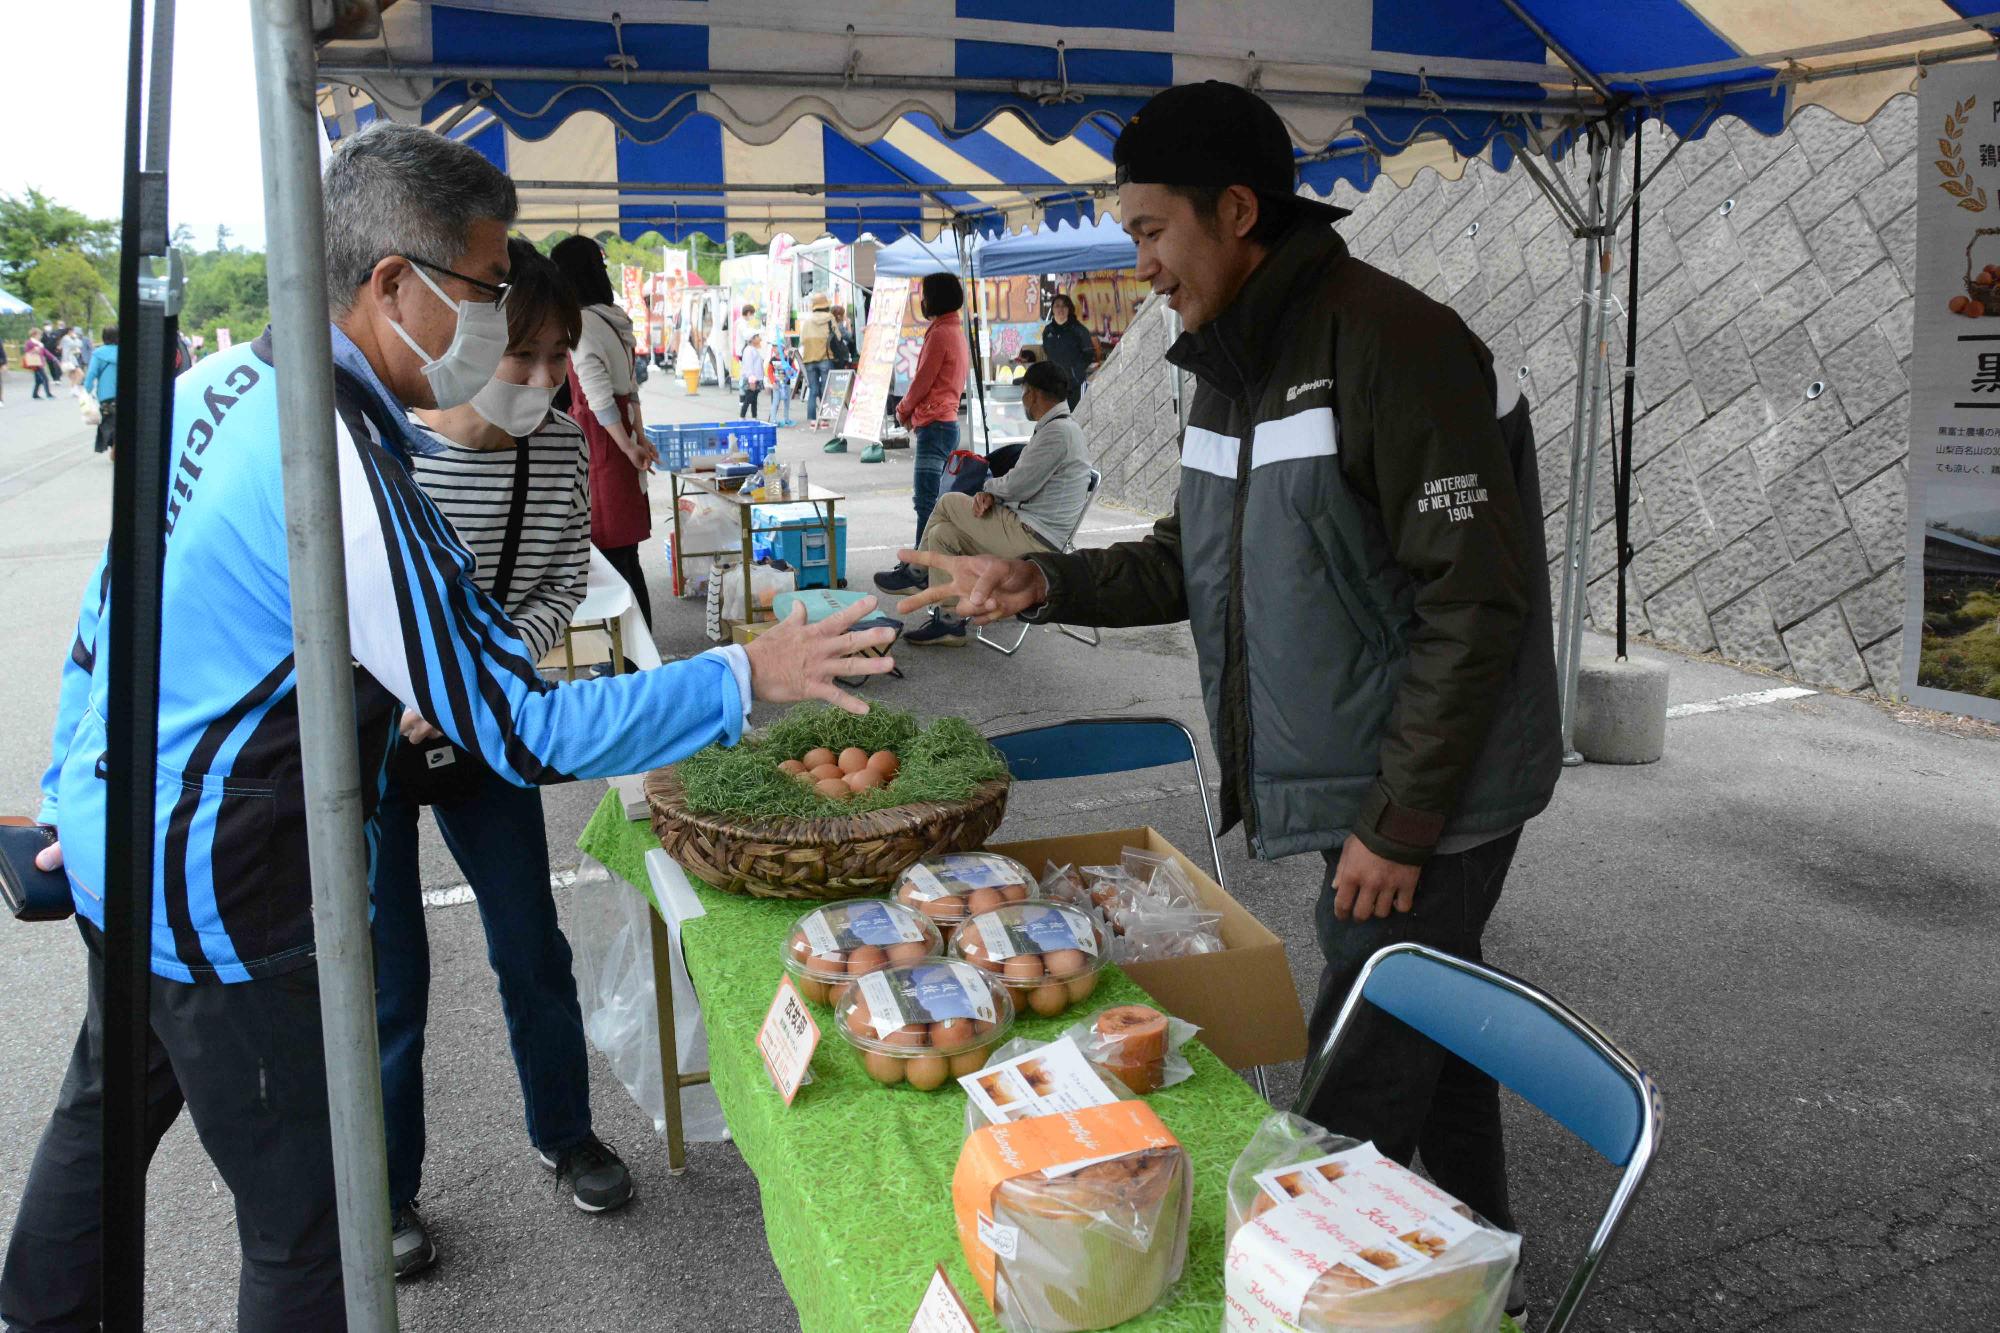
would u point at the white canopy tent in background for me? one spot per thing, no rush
(711, 110)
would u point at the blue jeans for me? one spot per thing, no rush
(816, 373)
(500, 842)
(935, 443)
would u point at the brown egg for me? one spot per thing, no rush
(952, 1032)
(885, 763)
(791, 766)
(833, 789)
(1049, 1000)
(917, 1034)
(1062, 962)
(927, 1072)
(983, 900)
(912, 951)
(822, 772)
(814, 991)
(1956, 305)
(863, 780)
(967, 1062)
(883, 1068)
(1027, 967)
(1081, 987)
(1014, 893)
(945, 908)
(814, 758)
(829, 964)
(981, 1026)
(836, 993)
(868, 958)
(853, 759)
(984, 962)
(801, 949)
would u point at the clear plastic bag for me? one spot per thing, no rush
(1456, 1265)
(766, 582)
(1138, 1046)
(1146, 931)
(611, 939)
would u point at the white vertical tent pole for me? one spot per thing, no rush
(1601, 204)
(302, 350)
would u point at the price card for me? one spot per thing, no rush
(787, 1041)
(941, 1310)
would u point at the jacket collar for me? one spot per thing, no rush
(1233, 352)
(1060, 412)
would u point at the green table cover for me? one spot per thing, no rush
(856, 1177)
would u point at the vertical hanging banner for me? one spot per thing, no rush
(1951, 621)
(869, 397)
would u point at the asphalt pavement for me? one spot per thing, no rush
(1792, 922)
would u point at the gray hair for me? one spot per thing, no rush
(399, 190)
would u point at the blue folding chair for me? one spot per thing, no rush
(1089, 747)
(1530, 1042)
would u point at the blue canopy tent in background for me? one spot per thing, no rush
(1090, 247)
(13, 305)
(862, 115)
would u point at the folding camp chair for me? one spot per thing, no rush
(1088, 747)
(1527, 1041)
(1089, 636)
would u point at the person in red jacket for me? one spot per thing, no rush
(930, 405)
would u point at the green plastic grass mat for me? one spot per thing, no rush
(856, 1177)
(944, 761)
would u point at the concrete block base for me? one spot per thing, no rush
(1621, 711)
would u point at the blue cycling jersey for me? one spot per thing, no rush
(232, 897)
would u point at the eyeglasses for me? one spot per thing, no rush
(498, 289)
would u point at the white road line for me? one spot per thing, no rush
(1729, 701)
(458, 895)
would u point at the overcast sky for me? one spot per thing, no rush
(62, 63)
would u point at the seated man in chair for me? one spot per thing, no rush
(1034, 507)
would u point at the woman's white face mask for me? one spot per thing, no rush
(478, 343)
(518, 409)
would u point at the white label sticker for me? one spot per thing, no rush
(941, 1310)
(924, 886)
(1046, 1081)
(994, 936)
(820, 935)
(1003, 1240)
(878, 997)
(787, 1040)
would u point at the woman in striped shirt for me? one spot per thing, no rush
(497, 834)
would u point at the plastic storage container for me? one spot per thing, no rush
(950, 888)
(797, 535)
(680, 445)
(832, 945)
(922, 1026)
(1048, 954)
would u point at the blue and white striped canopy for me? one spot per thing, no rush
(888, 116)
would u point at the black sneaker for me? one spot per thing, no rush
(1517, 1301)
(900, 578)
(598, 1179)
(940, 631)
(409, 1244)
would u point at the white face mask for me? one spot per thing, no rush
(518, 409)
(477, 344)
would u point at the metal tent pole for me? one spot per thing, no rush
(1624, 492)
(966, 262)
(146, 315)
(1601, 203)
(296, 264)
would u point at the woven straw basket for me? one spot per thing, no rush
(847, 856)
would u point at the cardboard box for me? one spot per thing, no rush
(1242, 998)
(741, 634)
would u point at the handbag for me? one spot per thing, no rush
(93, 415)
(437, 772)
(31, 893)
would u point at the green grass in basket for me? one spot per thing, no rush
(945, 761)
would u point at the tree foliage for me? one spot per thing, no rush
(63, 285)
(33, 223)
(225, 289)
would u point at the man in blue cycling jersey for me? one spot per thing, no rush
(417, 267)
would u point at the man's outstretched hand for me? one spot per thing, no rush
(987, 587)
(794, 661)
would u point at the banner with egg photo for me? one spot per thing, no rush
(1951, 624)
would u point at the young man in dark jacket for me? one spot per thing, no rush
(1357, 547)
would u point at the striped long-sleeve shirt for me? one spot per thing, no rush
(474, 488)
(232, 890)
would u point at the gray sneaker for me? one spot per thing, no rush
(1517, 1300)
(409, 1244)
(597, 1177)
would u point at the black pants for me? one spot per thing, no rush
(107, 425)
(1392, 1085)
(747, 405)
(247, 1061)
(625, 559)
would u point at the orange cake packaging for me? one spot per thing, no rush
(1326, 1235)
(1074, 1221)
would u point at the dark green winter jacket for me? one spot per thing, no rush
(1357, 545)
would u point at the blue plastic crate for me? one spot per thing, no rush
(680, 445)
(798, 537)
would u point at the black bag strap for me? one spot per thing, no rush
(517, 514)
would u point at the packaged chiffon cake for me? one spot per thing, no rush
(1074, 1221)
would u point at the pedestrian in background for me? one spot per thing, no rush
(816, 350)
(756, 365)
(785, 375)
(3, 374)
(1070, 345)
(840, 341)
(930, 405)
(604, 399)
(102, 384)
(35, 359)
(70, 352)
